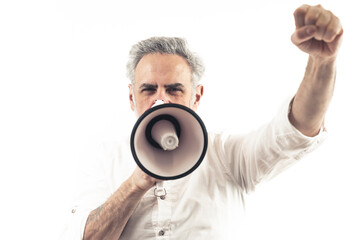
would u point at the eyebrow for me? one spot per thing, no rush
(147, 85)
(173, 85)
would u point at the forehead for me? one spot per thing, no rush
(162, 67)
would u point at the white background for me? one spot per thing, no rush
(63, 88)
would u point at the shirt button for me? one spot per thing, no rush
(73, 210)
(161, 233)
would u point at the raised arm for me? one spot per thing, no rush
(318, 33)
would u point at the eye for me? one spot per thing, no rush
(148, 90)
(174, 90)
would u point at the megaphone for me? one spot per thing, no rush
(169, 141)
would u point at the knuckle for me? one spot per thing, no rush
(331, 30)
(330, 33)
(336, 20)
(312, 16)
(323, 21)
(298, 13)
(310, 19)
(301, 10)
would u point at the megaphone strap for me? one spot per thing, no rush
(160, 192)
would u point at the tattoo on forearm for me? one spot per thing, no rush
(94, 215)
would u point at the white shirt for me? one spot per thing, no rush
(208, 203)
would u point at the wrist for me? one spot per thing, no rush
(319, 61)
(320, 71)
(140, 182)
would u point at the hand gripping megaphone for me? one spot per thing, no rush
(169, 141)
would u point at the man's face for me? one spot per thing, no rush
(162, 77)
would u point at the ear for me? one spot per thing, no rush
(198, 95)
(131, 97)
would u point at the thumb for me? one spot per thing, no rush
(303, 34)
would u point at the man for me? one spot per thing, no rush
(120, 205)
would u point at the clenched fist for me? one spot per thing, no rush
(318, 31)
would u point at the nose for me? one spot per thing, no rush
(162, 97)
(158, 102)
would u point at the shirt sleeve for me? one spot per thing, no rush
(94, 192)
(264, 153)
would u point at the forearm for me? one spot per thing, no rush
(109, 220)
(313, 96)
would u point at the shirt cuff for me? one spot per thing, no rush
(291, 135)
(322, 129)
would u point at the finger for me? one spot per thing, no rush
(322, 24)
(303, 34)
(333, 29)
(312, 15)
(299, 15)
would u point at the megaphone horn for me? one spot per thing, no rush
(169, 141)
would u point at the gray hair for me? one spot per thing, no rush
(165, 45)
